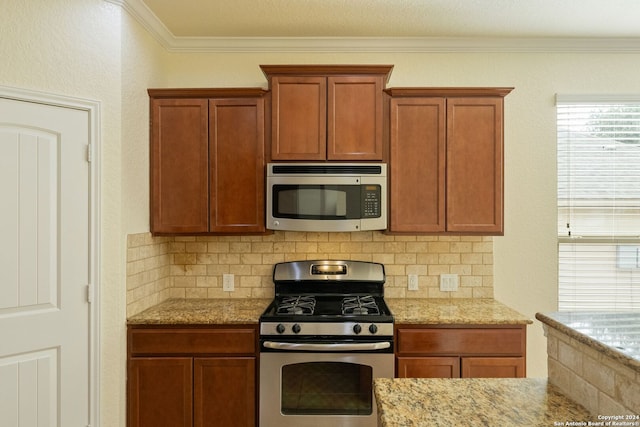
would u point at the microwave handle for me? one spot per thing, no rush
(327, 347)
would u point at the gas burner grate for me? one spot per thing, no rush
(360, 305)
(304, 305)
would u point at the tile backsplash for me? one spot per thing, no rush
(159, 268)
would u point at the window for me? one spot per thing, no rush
(598, 203)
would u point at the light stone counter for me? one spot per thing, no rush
(202, 312)
(422, 402)
(405, 311)
(616, 335)
(594, 358)
(453, 311)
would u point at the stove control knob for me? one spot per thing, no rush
(373, 328)
(357, 329)
(296, 329)
(280, 328)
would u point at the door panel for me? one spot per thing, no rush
(493, 367)
(417, 165)
(236, 151)
(299, 118)
(354, 118)
(29, 176)
(160, 392)
(474, 165)
(23, 379)
(428, 367)
(44, 259)
(180, 166)
(224, 392)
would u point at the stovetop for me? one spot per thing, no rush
(324, 308)
(328, 297)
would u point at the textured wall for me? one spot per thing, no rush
(192, 267)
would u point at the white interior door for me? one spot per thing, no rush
(44, 266)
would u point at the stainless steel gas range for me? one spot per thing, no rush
(327, 334)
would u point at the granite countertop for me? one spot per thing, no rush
(405, 311)
(416, 402)
(453, 311)
(202, 312)
(616, 334)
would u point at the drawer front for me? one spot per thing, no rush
(461, 341)
(148, 342)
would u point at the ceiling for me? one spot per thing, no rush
(189, 22)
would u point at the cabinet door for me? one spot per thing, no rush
(428, 367)
(417, 165)
(179, 166)
(236, 152)
(475, 165)
(225, 392)
(299, 118)
(160, 392)
(493, 367)
(354, 118)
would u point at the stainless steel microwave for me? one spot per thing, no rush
(326, 196)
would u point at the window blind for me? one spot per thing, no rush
(598, 203)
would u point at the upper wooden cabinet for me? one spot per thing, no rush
(207, 161)
(446, 160)
(327, 112)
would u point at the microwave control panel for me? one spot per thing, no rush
(371, 201)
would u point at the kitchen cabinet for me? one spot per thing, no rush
(446, 160)
(207, 161)
(192, 376)
(470, 351)
(327, 112)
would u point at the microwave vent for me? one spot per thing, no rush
(327, 169)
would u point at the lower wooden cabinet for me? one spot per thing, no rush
(224, 391)
(185, 377)
(460, 351)
(160, 392)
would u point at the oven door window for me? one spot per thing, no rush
(327, 388)
(316, 201)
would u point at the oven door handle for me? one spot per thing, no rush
(327, 347)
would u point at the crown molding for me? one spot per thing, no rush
(171, 43)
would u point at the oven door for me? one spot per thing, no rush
(316, 388)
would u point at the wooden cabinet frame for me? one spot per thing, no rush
(327, 112)
(207, 161)
(190, 376)
(446, 160)
(465, 351)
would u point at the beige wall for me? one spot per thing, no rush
(93, 49)
(525, 258)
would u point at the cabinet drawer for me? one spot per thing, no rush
(192, 341)
(461, 341)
